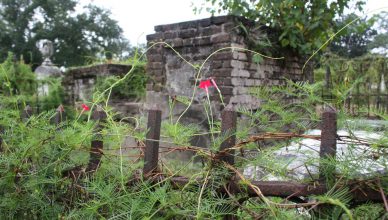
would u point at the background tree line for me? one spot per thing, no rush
(304, 26)
(78, 36)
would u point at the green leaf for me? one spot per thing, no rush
(257, 59)
(285, 42)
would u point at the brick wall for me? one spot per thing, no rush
(79, 84)
(233, 70)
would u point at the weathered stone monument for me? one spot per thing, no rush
(79, 86)
(215, 48)
(232, 67)
(47, 68)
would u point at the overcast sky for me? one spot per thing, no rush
(138, 17)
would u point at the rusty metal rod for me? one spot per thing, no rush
(1, 138)
(151, 155)
(328, 148)
(27, 113)
(360, 191)
(60, 115)
(228, 130)
(226, 154)
(96, 144)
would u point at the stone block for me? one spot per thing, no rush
(216, 64)
(296, 59)
(258, 82)
(168, 41)
(155, 37)
(240, 56)
(170, 34)
(240, 90)
(258, 74)
(204, 22)
(158, 28)
(298, 71)
(276, 82)
(155, 49)
(190, 50)
(296, 65)
(237, 82)
(268, 68)
(226, 64)
(237, 64)
(154, 58)
(149, 86)
(268, 61)
(177, 42)
(225, 98)
(156, 100)
(202, 41)
(277, 68)
(159, 79)
(149, 67)
(253, 74)
(249, 82)
(298, 77)
(238, 39)
(220, 38)
(254, 66)
(187, 42)
(157, 87)
(238, 46)
(224, 46)
(208, 31)
(200, 56)
(156, 65)
(261, 74)
(222, 81)
(166, 27)
(221, 19)
(224, 55)
(267, 74)
(188, 24)
(240, 73)
(226, 90)
(174, 64)
(187, 33)
(158, 72)
(239, 99)
(230, 27)
(276, 75)
(224, 72)
(287, 71)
